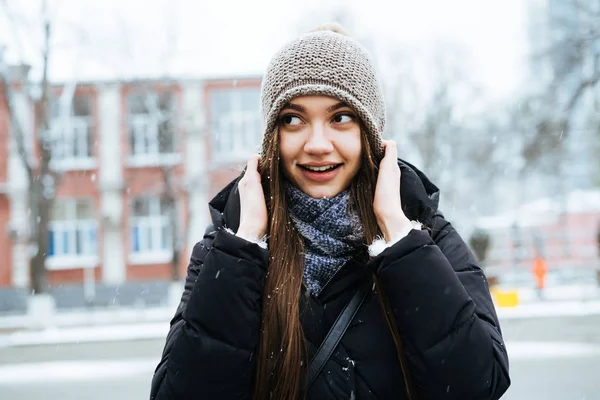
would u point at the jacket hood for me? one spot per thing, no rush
(420, 199)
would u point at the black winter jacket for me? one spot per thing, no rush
(439, 296)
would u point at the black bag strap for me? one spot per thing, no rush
(335, 334)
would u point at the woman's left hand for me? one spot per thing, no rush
(387, 204)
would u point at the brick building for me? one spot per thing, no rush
(118, 147)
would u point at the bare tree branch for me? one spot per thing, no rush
(16, 127)
(584, 6)
(42, 179)
(43, 186)
(583, 85)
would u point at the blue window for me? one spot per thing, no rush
(150, 226)
(72, 229)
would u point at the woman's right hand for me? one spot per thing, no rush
(253, 215)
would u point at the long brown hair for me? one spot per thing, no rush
(282, 363)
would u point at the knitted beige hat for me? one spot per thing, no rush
(324, 62)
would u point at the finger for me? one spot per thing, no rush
(391, 153)
(253, 163)
(391, 149)
(251, 167)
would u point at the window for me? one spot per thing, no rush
(150, 230)
(72, 134)
(72, 234)
(236, 122)
(152, 133)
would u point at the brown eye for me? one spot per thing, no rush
(290, 120)
(343, 118)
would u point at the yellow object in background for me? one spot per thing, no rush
(505, 298)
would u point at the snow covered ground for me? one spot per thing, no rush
(155, 324)
(81, 326)
(78, 370)
(59, 371)
(552, 358)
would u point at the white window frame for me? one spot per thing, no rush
(154, 225)
(146, 150)
(235, 135)
(70, 260)
(67, 153)
(145, 131)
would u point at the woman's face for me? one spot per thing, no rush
(320, 144)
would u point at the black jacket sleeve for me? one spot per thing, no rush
(444, 312)
(209, 349)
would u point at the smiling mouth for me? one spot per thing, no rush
(324, 168)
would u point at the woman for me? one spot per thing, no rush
(286, 259)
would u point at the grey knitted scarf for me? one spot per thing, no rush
(331, 234)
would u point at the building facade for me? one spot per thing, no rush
(137, 163)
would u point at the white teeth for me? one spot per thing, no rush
(320, 169)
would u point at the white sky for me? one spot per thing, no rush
(123, 38)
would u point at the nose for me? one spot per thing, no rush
(318, 142)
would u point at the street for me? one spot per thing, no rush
(551, 359)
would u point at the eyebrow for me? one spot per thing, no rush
(299, 108)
